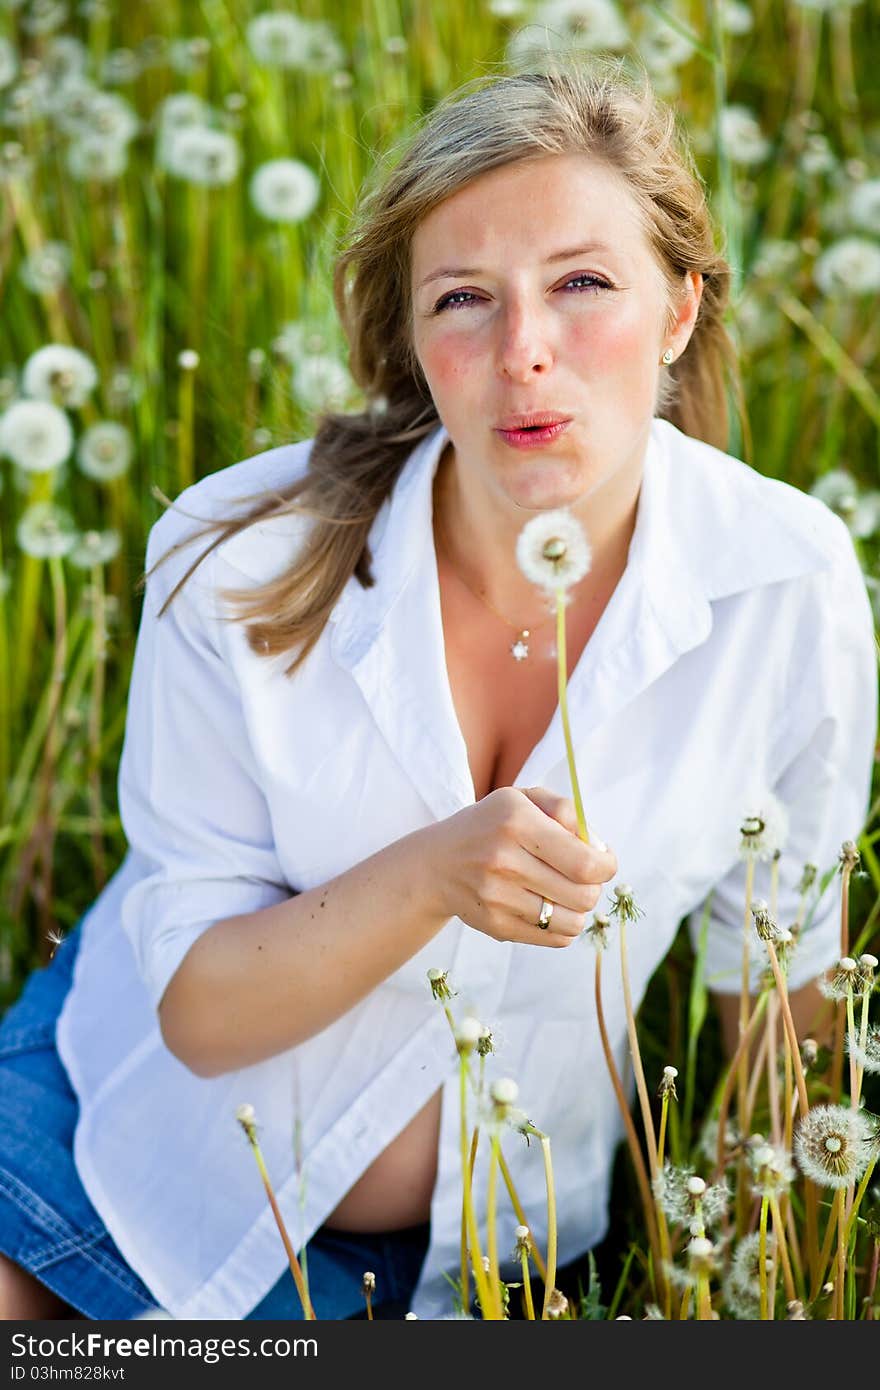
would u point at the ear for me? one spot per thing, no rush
(686, 313)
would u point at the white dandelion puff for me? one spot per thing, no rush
(60, 374)
(47, 268)
(863, 205)
(44, 16)
(277, 39)
(772, 1170)
(8, 62)
(851, 266)
(95, 157)
(36, 435)
(590, 24)
(284, 190)
(832, 1144)
(199, 155)
(45, 530)
(741, 135)
(764, 826)
(94, 548)
(736, 18)
(104, 451)
(865, 519)
(120, 67)
(552, 550)
(868, 1056)
(298, 338)
(838, 489)
(320, 381)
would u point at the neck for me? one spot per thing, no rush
(480, 545)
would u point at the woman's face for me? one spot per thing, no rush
(534, 288)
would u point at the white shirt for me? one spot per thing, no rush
(736, 654)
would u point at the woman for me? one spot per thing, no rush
(344, 762)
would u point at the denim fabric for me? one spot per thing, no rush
(49, 1226)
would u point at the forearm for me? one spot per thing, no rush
(259, 983)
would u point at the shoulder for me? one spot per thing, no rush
(257, 550)
(742, 529)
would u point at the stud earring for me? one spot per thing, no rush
(667, 356)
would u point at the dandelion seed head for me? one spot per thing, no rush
(321, 381)
(104, 451)
(696, 1186)
(552, 550)
(95, 548)
(36, 435)
(201, 155)
(504, 1091)
(284, 190)
(741, 135)
(764, 827)
(850, 267)
(47, 268)
(867, 1055)
(832, 1145)
(246, 1115)
(439, 983)
(61, 374)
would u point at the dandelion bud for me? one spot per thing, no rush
(467, 1035)
(700, 1254)
(557, 1304)
(849, 855)
(808, 878)
(485, 1042)
(439, 984)
(188, 360)
(369, 1282)
(809, 1051)
(504, 1093)
(245, 1115)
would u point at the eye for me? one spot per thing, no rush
(448, 300)
(593, 282)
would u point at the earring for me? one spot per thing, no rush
(667, 356)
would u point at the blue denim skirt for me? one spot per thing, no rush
(50, 1228)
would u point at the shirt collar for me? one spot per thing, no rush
(695, 539)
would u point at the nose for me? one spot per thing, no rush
(524, 346)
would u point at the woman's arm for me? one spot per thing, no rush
(256, 984)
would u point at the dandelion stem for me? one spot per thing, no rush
(638, 1071)
(296, 1271)
(520, 1214)
(562, 680)
(731, 1079)
(862, 1189)
(782, 1246)
(550, 1280)
(527, 1284)
(491, 1222)
(762, 1259)
(836, 1082)
(851, 1038)
(840, 1278)
(661, 1136)
(465, 1274)
(632, 1139)
(487, 1307)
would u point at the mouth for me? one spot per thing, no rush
(533, 435)
(532, 420)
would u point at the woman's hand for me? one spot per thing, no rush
(497, 860)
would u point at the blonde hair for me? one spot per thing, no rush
(570, 107)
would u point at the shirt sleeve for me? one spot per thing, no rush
(825, 751)
(190, 803)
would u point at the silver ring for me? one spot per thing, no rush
(546, 913)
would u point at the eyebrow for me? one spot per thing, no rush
(452, 272)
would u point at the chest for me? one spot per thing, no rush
(504, 706)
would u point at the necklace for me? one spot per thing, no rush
(519, 647)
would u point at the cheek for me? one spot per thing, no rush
(614, 343)
(449, 361)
